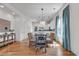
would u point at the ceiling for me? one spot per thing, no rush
(33, 10)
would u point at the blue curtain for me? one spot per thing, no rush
(66, 28)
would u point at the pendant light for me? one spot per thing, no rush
(42, 21)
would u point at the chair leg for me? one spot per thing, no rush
(45, 50)
(36, 50)
(29, 45)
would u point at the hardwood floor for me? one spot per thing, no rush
(22, 49)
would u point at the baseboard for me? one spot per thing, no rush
(76, 53)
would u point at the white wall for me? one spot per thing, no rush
(22, 26)
(74, 27)
(25, 27)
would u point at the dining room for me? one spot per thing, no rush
(35, 28)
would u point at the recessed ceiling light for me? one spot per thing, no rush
(1, 6)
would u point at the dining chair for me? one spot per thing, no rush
(40, 42)
(52, 37)
(31, 42)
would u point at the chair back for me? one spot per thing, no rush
(40, 40)
(52, 37)
(30, 36)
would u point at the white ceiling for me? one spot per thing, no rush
(33, 10)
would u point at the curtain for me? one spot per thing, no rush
(66, 29)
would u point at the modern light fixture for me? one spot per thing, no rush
(42, 22)
(42, 13)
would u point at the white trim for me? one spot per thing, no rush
(77, 53)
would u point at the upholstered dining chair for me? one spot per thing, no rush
(40, 42)
(52, 37)
(31, 41)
